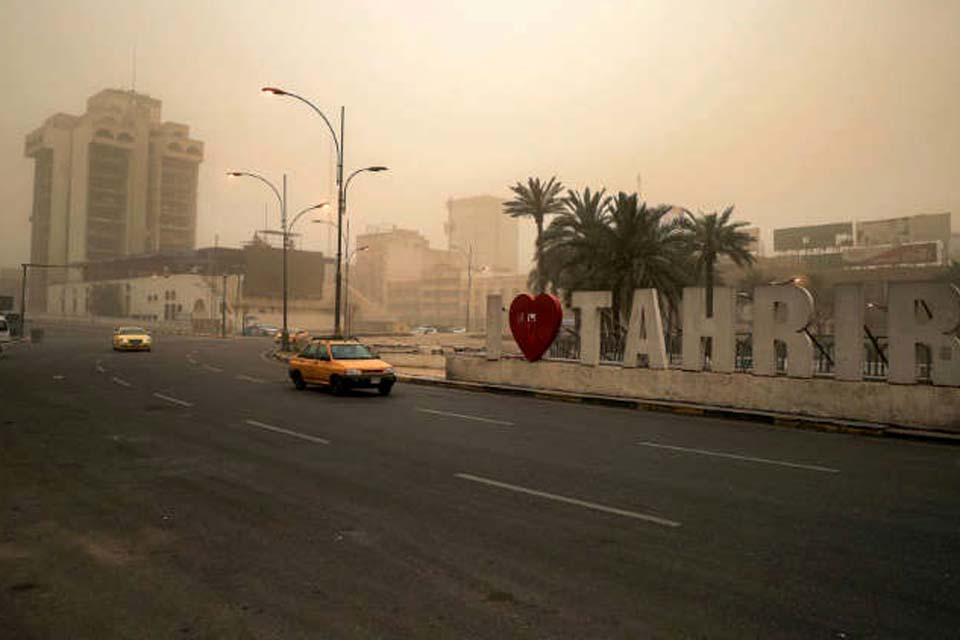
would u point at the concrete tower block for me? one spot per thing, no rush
(645, 331)
(719, 328)
(782, 313)
(494, 326)
(590, 303)
(848, 321)
(924, 313)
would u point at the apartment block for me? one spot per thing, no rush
(113, 182)
(478, 225)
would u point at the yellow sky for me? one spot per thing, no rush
(797, 112)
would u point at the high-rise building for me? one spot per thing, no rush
(112, 182)
(478, 224)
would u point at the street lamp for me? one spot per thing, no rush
(338, 143)
(344, 293)
(348, 316)
(282, 199)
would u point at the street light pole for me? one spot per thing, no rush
(285, 337)
(469, 285)
(223, 307)
(338, 142)
(341, 205)
(282, 199)
(23, 302)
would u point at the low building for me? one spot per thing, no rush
(188, 287)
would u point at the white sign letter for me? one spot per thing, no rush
(782, 313)
(924, 313)
(590, 303)
(719, 328)
(645, 331)
(494, 326)
(848, 321)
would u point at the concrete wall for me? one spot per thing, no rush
(906, 405)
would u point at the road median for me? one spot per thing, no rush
(765, 417)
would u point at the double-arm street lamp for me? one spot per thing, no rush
(341, 186)
(285, 231)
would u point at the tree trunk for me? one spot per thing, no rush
(541, 276)
(709, 274)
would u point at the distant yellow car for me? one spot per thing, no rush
(296, 336)
(342, 365)
(131, 339)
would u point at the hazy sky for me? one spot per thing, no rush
(796, 111)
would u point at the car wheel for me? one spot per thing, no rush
(337, 386)
(385, 389)
(298, 381)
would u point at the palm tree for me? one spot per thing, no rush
(710, 236)
(572, 246)
(640, 251)
(536, 200)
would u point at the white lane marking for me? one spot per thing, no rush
(718, 454)
(210, 367)
(122, 383)
(465, 417)
(241, 376)
(580, 503)
(59, 377)
(182, 403)
(100, 368)
(295, 434)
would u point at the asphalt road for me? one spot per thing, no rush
(193, 493)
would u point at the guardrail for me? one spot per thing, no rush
(567, 347)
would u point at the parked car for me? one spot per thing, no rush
(424, 330)
(341, 365)
(4, 332)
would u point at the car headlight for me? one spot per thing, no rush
(352, 372)
(388, 370)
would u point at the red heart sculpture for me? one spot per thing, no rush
(535, 323)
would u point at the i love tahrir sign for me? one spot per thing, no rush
(916, 313)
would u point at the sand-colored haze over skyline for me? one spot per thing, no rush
(795, 112)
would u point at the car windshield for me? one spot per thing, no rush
(131, 331)
(351, 352)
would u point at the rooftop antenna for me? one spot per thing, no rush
(133, 69)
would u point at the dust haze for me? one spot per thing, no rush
(795, 112)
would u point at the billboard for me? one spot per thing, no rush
(914, 253)
(263, 279)
(818, 236)
(919, 228)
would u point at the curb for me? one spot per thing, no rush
(778, 419)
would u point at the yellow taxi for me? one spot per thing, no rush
(131, 339)
(342, 365)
